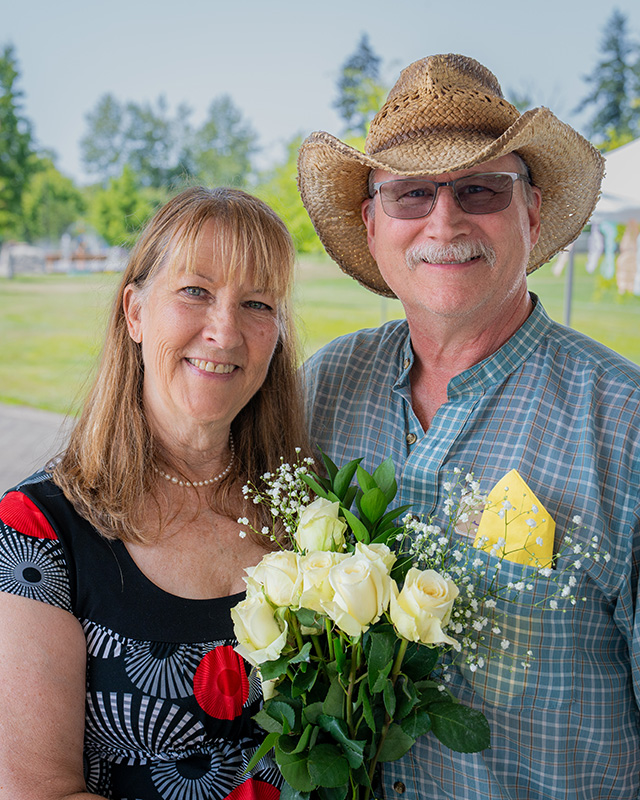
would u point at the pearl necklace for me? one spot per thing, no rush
(209, 481)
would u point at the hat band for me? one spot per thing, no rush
(425, 133)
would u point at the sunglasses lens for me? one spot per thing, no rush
(407, 199)
(484, 194)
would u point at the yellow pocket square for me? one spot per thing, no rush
(517, 522)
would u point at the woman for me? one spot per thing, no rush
(120, 564)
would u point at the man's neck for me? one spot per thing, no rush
(445, 348)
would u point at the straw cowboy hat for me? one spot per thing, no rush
(446, 113)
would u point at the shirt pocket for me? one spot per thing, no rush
(538, 635)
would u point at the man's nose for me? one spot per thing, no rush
(446, 214)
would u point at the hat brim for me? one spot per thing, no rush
(333, 182)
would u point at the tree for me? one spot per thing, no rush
(162, 148)
(360, 93)
(17, 159)
(103, 146)
(615, 86)
(145, 137)
(154, 141)
(51, 203)
(277, 187)
(119, 211)
(221, 150)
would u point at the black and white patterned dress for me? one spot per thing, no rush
(169, 701)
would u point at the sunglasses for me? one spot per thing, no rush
(480, 193)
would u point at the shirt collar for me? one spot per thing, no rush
(494, 369)
(499, 365)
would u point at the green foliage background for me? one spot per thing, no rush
(51, 326)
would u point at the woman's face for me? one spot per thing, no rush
(206, 343)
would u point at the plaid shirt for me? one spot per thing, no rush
(565, 412)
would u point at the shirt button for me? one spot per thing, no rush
(406, 363)
(411, 438)
(399, 787)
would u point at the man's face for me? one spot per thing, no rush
(428, 276)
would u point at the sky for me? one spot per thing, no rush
(279, 60)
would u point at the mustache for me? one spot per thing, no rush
(455, 252)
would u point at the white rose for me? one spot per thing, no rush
(261, 636)
(423, 606)
(314, 569)
(279, 577)
(361, 587)
(319, 527)
(377, 552)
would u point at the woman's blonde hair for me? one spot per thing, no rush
(108, 464)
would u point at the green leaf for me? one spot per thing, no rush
(289, 793)
(343, 478)
(365, 479)
(313, 484)
(417, 723)
(267, 744)
(406, 697)
(303, 681)
(334, 701)
(367, 711)
(303, 655)
(329, 465)
(267, 722)
(459, 727)
(389, 696)
(359, 529)
(274, 669)
(396, 744)
(400, 569)
(373, 504)
(294, 768)
(385, 477)
(332, 793)
(432, 693)
(341, 659)
(311, 712)
(306, 617)
(390, 516)
(353, 749)
(327, 765)
(303, 740)
(379, 653)
(420, 661)
(283, 712)
(349, 495)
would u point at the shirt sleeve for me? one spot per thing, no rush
(32, 560)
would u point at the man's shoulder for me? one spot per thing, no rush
(594, 356)
(362, 345)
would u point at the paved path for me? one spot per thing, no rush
(28, 437)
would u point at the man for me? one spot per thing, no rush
(457, 198)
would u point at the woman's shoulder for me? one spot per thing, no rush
(33, 559)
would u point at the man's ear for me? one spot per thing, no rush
(534, 215)
(132, 308)
(368, 217)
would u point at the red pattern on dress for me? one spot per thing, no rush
(220, 684)
(24, 516)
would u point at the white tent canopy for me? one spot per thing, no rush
(620, 199)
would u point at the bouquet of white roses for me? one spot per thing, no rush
(351, 627)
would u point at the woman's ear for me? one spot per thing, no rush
(132, 308)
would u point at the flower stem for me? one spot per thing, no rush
(387, 720)
(329, 629)
(355, 663)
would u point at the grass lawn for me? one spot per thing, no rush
(51, 326)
